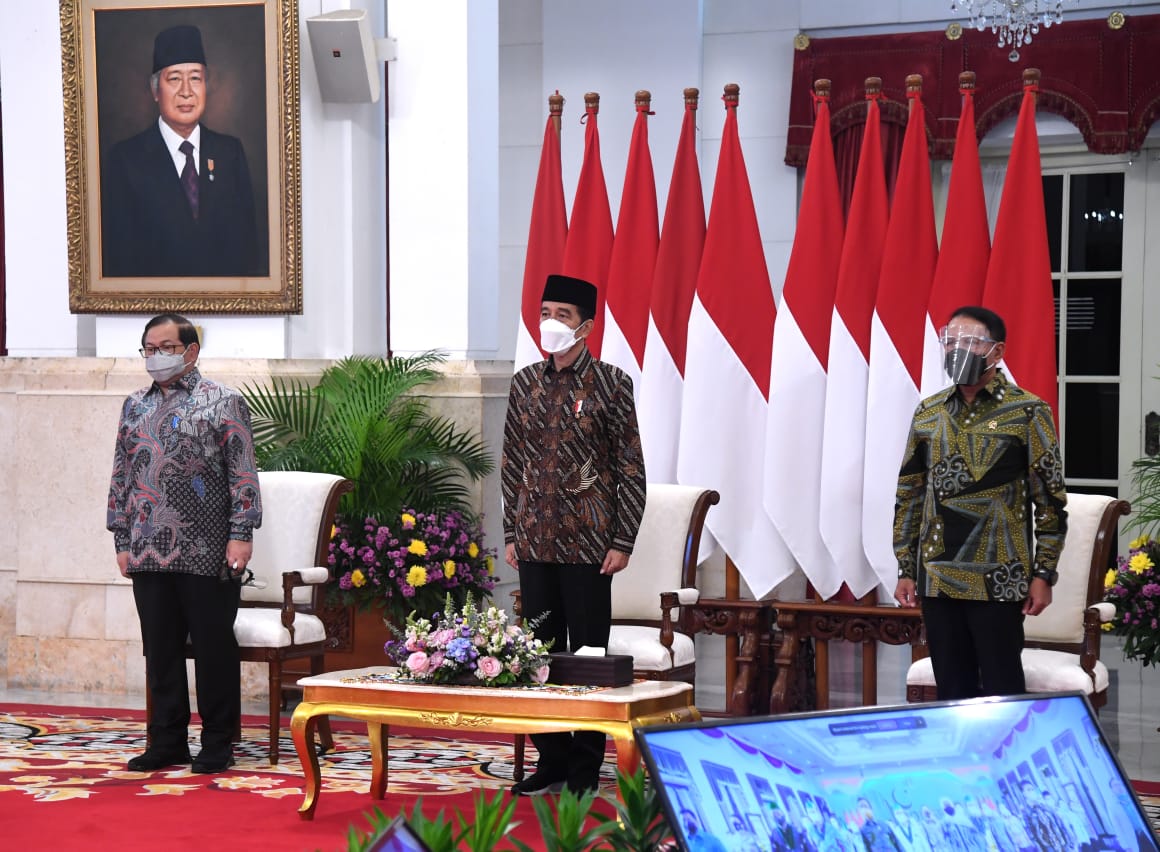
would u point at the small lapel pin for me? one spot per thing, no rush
(209, 167)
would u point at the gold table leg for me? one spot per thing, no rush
(379, 735)
(302, 725)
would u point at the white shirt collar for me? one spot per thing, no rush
(173, 142)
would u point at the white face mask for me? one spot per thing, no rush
(162, 366)
(555, 336)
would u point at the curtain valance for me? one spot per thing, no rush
(1105, 81)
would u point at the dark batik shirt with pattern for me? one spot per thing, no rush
(573, 472)
(978, 484)
(184, 479)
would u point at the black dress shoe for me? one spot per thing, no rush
(583, 784)
(205, 764)
(154, 759)
(539, 783)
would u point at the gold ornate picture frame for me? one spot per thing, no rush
(140, 238)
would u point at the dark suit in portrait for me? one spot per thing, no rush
(177, 199)
(147, 225)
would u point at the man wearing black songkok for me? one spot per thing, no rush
(574, 491)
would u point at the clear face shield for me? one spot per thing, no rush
(965, 358)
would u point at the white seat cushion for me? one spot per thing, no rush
(261, 627)
(920, 673)
(643, 644)
(1044, 671)
(1058, 671)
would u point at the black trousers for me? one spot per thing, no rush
(173, 606)
(578, 603)
(975, 647)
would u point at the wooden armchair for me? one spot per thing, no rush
(276, 620)
(656, 606)
(1062, 644)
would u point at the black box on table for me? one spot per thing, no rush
(609, 670)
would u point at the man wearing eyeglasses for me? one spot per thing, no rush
(980, 516)
(183, 505)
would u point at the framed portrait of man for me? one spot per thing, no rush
(182, 155)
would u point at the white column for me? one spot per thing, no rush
(444, 165)
(35, 239)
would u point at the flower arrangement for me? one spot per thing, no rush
(1134, 587)
(468, 643)
(412, 564)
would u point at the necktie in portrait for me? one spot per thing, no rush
(189, 176)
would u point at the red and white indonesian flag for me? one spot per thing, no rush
(966, 241)
(547, 234)
(674, 283)
(897, 339)
(797, 379)
(727, 373)
(844, 429)
(1018, 286)
(634, 253)
(589, 246)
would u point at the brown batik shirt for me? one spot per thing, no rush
(573, 473)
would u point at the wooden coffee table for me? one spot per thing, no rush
(356, 694)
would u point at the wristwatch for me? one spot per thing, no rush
(1049, 575)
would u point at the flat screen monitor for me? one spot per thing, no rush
(1020, 773)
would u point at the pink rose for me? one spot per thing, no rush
(515, 667)
(489, 667)
(418, 663)
(542, 674)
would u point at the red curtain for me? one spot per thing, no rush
(1104, 81)
(848, 147)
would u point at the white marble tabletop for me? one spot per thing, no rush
(353, 678)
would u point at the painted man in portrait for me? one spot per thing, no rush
(177, 199)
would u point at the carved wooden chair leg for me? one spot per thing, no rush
(518, 770)
(275, 685)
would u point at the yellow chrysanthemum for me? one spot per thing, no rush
(473, 550)
(358, 578)
(1110, 578)
(449, 568)
(1137, 543)
(417, 547)
(333, 531)
(1139, 563)
(490, 566)
(417, 576)
(408, 520)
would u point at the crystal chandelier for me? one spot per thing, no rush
(1014, 21)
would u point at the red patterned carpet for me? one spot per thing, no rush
(64, 786)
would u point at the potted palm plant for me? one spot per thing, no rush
(364, 419)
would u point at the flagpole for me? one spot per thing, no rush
(732, 643)
(731, 96)
(556, 109)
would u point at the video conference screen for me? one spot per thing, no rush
(1025, 773)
